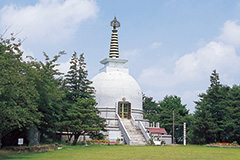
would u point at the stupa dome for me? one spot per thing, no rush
(114, 86)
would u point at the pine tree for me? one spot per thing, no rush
(81, 115)
(77, 84)
(83, 118)
(168, 105)
(232, 123)
(211, 112)
(151, 109)
(162, 112)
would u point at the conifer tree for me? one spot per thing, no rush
(76, 83)
(168, 105)
(83, 118)
(81, 115)
(151, 109)
(211, 112)
(232, 118)
(162, 112)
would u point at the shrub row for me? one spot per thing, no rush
(38, 148)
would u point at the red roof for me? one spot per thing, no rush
(157, 130)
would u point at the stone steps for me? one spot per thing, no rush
(134, 132)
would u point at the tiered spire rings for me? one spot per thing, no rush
(114, 51)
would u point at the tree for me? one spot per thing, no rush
(233, 117)
(162, 112)
(83, 118)
(18, 106)
(76, 83)
(168, 105)
(50, 95)
(211, 115)
(81, 115)
(151, 109)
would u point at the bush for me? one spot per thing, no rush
(98, 136)
(235, 142)
(163, 142)
(95, 141)
(151, 142)
(38, 148)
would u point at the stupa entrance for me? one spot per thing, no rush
(124, 109)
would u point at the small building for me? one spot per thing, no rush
(159, 136)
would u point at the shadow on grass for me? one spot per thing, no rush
(12, 155)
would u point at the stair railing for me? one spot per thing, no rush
(124, 131)
(144, 131)
(133, 121)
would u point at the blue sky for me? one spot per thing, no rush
(172, 46)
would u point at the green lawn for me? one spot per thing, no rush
(98, 152)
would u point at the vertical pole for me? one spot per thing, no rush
(184, 134)
(173, 139)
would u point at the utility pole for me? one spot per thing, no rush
(173, 139)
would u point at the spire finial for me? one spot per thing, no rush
(114, 52)
(114, 23)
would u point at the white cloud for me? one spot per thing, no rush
(131, 53)
(64, 66)
(231, 33)
(155, 45)
(48, 20)
(157, 77)
(188, 97)
(191, 71)
(215, 55)
(195, 66)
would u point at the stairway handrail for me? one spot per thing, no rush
(133, 121)
(144, 131)
(124, 131)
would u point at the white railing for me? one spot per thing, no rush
(133, 121)
(144, 131)
(124, 131)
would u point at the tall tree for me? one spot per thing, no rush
(211, 112)
(168, 105)
(77, 83)
(50, 99)
(81, 115)
(162, 112)
(151, 109)
(18, 103)
(232, 124)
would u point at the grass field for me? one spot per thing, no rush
(102, 152)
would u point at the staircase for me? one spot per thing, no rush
(134, 132)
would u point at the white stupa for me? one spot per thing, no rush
(118, 95)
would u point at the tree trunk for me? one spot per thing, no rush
(0, 140)
(76, 136)
(70, 137)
